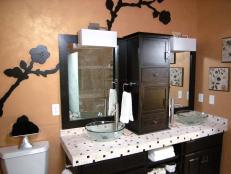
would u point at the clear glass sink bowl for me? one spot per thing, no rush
(104, 130)
(191, 118)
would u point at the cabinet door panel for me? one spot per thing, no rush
(154, 52)
(154, 99)
(203, 162)
(192, 164)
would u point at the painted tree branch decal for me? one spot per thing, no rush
(164, 16)
(38, 55)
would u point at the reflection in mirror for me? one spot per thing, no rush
(180, 78)
(90, 76)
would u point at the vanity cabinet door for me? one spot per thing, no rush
(203, 162)
(154, 115)
(154, 98)
(154, 51)
(192, 163)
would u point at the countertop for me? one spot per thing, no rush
(81, 150)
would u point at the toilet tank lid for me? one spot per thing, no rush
(13, 151)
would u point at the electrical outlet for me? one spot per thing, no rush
(179, 94)
(55, 109)
(211, 99)
(187, 95)
(200, 97)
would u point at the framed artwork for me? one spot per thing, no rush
(226, 50)
(176, 76)
(172, 58)
(219, 78)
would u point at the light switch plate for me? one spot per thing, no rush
(55, 109)
(179, 94)
(200, 97)
(211, 99)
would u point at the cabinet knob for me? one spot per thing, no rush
(154, 122)
(155, 74)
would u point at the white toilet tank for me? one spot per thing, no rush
(25, 161)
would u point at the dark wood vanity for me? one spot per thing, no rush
(142, 62)
(201, 156)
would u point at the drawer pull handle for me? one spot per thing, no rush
(154, 122)
(155, 74)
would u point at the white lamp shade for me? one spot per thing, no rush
(178, 44)
(97, 38)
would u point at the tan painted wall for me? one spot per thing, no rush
(213, 24)
(27, 23)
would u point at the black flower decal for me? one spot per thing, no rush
(114, 8)
(109, 4)
(16, 72)
(165, 17)
(39, 54)
(155, 13)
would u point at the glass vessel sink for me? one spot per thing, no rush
(191, 118)
(104, 130)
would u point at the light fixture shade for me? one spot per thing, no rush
(97, 38)
(179, 44)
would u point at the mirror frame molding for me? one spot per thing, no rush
(63, 41)
(191, 84)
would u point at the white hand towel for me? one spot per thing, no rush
(126, 108)
(112, 101)
(161, 153)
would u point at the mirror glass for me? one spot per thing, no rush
(90, 77)
(180, 78)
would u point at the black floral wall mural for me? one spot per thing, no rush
(39, 55)
(163, 16)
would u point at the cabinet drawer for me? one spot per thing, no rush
(123, 163)
(154, 121)
(203, 143)
(155, 75)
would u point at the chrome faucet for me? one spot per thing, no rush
(116, 115)
(171, 112)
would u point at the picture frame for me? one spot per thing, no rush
(172, 58)
(176, 76)
(226, 50)
(219, 78)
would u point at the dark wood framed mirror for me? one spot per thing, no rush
(185, 100)
(67, 45)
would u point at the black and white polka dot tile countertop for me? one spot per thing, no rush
(81, 150)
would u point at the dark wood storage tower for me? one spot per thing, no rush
(143, 60)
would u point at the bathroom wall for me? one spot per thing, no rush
(27, 23)
(213, 25)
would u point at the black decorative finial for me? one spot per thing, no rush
(24, 127)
